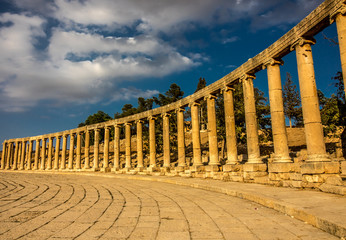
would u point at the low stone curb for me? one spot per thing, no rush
(292, 210)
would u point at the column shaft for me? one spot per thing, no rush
(63, 152)
(86, 150)
(22, 157)
(3, 155)
(166, 144)
(37, 152)
(57, 151)
(140, 144)
(9, 155)
(251, 120)
(152, 142)
(212, 132)
(78, 150)
(311, 112)
(43, 153)
(116, 147)
(231, 136)
(96, 150)
(181, 138)
(106, 149)
(28, 160)
(50, 149)
(128, 145)
(71, 152)
(281, 152)
(341, 28)
(196, 138)
(15, 158)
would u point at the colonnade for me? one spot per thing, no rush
(18, 153)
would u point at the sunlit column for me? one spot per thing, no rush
(340, 20)
(4, 146)
(181, 137)
(316, 147)
(43, 153)
(128, 145)
(106, 150)
(96, 150)
(140, 144)
(28, 160)
(196, 138)
(212, 132)
(251, 120)
(57, 152)
(37, 153)
(22, 156)
(281, 152)
(50, 151)
(63, 152)
(87, 149)
(15, 157)
(166, 144)
(71, 151)
(152, 141)
(19, 153)
(116, 147)
(231, 136)
(9, 155)
(78, 150)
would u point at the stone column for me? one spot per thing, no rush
(71, 151)
(152, 141)
(106, 151)
(86, 150)
(9, 155)
(281, 152)
(116, 147)
(212, 134)
(19, 153)
(128, 145)
(181, 139)
(140, 145)
(43, 153)
(196, 137)
(251, 120)
(57, 152)
(63, 152)
(166, 145)
(78, 150)
(37, 153)
(22, 157)
(3, 155)
(50, 149)
(340, 19)
(231, 136)
(28, 160)
(96, 150)
(311, 112)
(15, 157)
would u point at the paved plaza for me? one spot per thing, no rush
(78, 206)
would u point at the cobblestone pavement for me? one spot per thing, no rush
(66, 206)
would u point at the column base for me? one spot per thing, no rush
(115, 169)
(198, 168)
(153, 169)
(212, 168)
(318, 158)
(139, 169)
(232, 168)
(320, 167)
(255, 167)
(106, 169)
(180, 168)
(282, 159)
(165, 169)
(254, 160)
(95, 169)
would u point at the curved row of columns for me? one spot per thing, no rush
(17, 152)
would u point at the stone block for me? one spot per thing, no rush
(232, 168)
(255, 167)
(153, 169)
(296, 176)
(325, 187)
(107, 169)
(296, 184)
(197, 168)
(180, 169)
(212, 168)
(320, 167)
(252, 175)
(284, 176)
(343, 167)
(274, 176)
(334, 180)
(236, 178)
(281, 167)
(262, 180)
(317, 178)
(310, 185)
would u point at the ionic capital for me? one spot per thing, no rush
(272, 62)
(180, 109)
(97, 130)
(166, 114)
(341, 10)
(127, 124)
(139, 121)
(58, 137)
(152, 118)
(210, 96)
(227, 89)
(302, 41)
(247, 76)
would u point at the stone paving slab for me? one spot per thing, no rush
(108, 206)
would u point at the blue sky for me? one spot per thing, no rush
(62, 60)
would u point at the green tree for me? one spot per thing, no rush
(173, 94)
(291, 100)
